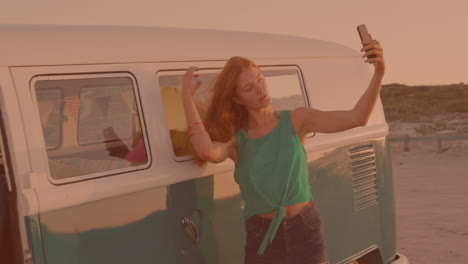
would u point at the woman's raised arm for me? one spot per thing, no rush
(206, 149)
(313, 120)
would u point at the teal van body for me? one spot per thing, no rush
(80, 201)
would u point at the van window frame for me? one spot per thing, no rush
(91, 75)
(209, 70)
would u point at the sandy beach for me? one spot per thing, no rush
(431, 192)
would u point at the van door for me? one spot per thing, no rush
(99, 195)
(17, 201)
(10, 242)
(214, 199)
(207, 200)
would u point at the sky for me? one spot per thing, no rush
(425, 42)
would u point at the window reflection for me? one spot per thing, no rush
(284, 83)
(90, 125)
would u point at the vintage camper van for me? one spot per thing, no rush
(96, 166)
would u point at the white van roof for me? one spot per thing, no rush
(28, 45)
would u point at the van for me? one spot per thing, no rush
(96, 166)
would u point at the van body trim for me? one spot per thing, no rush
(358, 255)
(346, 137)
(169, 174)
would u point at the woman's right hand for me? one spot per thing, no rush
(188, 87)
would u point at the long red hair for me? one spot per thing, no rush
(224, 116)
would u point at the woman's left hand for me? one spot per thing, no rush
(374, 47)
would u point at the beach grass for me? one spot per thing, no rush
(411, 103)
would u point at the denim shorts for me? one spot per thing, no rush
(299, 239)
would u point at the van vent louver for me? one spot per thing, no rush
(364, 176)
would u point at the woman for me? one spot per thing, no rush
(283, 224)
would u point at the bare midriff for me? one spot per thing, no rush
(290, 211)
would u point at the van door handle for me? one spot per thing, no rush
(187, 222)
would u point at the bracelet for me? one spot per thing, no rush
(194, 124)
(191, 130)
(196, 132)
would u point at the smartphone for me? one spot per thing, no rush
(364, 35)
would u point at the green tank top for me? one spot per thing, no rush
(272, 173)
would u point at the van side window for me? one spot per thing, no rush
(284, 83)
(286, 87)
(171, 92)
(50, 102)
(91, 126)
